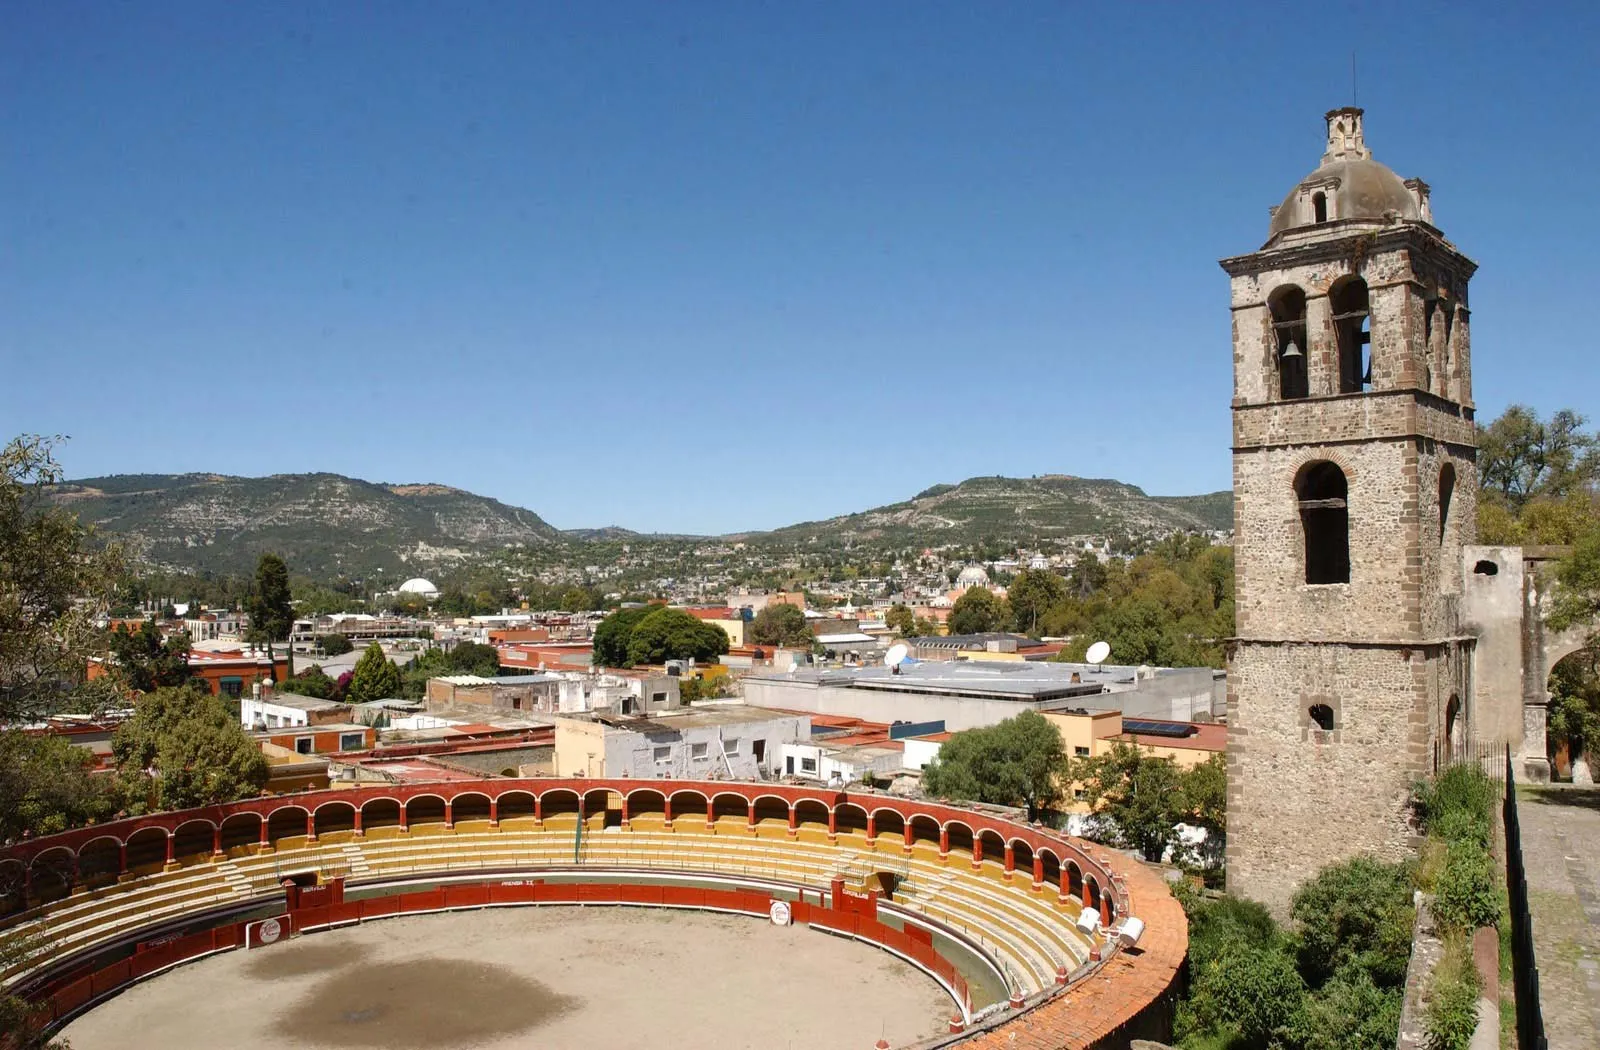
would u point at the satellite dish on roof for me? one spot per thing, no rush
(896, 655)
(1098, 652)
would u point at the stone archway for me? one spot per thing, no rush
(1572, 688)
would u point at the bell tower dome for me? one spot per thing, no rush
(1355, 486)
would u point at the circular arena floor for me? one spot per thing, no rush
(548, 977)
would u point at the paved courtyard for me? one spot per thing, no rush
(1561, 850)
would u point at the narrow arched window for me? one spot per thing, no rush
(1319, 205)
(1287, 307)
(1447, 490)
(1325, 520)
(1351, 321)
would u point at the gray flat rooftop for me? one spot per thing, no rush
(994, 679)
(302, 703)
(694, 718)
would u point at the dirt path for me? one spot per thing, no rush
(551, 978)
(1561, 851)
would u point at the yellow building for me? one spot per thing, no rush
(1089, 733)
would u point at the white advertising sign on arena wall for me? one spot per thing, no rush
(267, 931)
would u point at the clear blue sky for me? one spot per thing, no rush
(707, 267)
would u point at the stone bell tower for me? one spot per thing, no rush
(1355, 487)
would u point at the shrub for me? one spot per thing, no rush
(1465, 897)
(1453, 1002)
(1355, 914)
(1255, 993)
(1349, 1013)
(1458, 804)
(1230, 922)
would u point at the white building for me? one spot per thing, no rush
(714, 740)
(840, 765)
(288, 711)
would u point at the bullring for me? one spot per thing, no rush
(123, 900)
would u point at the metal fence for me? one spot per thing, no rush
(1524, 971)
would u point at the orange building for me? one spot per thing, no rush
(230, 673)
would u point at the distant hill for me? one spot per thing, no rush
(328, 524)
(1018, 510)
(324, 524)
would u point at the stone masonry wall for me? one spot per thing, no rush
(1300, 797)
(1272, 598)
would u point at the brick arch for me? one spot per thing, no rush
(1050, 865)
(193, 838)
(850, 818)
(99, 860)
(334, 817)
(1303, 458)
(771, 811)
(148, 846)
(559, 806)
(812, 814)
(240, 830)
(688, 803)
(960, 836)
(730, 806)
(1022, 855)
(924, 828)
(425, 809)
(649, 803)
(516, 804)
(382, 812)
(286, 822)
(469, 805)
(889, 823)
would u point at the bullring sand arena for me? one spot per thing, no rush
(596, 978)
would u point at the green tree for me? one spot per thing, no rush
(1575, 702)
(335, 644)
(182, 749)
(978, 611)
(1033, 595)
(1137, 800)
(612, 635)
(672, 634)
(1017, 762)
(924, 628)
(781, 625)
(374, 677)
(899, 618)
(581, 599)
(48, 785)
(1204, 801)
(53, 582)
(271, 605)
(1522, 458)
(313, 681)
(22, 1025)
(144, 660)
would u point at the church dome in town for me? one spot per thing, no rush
(1349, 185)
(417, 585)
(972, 576)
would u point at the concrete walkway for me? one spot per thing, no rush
(1561, 851)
